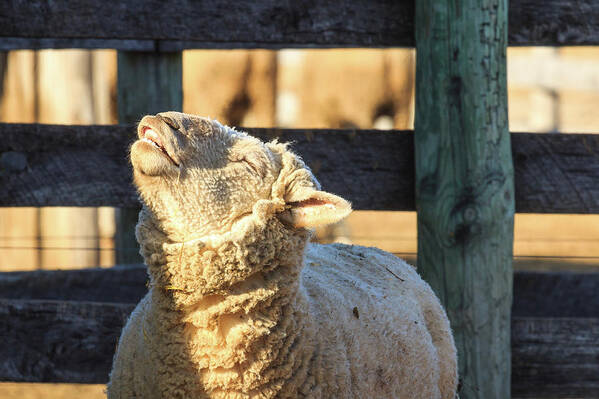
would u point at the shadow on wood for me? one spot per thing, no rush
(62, 326)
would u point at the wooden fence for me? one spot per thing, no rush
(62, 326)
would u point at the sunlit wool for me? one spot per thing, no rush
(240, 305)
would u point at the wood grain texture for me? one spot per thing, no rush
(58, 341)
(265, 23)
(118, 284)
(62, 326)
(556, 173)
(553, 22)
(465, 182)
(152, 25)
(24, 43)
(555, 357)
(555, 294)
(67, 166)
(536, 294)
(87, 166)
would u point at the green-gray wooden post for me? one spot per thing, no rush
(464, 181)
(148, 83)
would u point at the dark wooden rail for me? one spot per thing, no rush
(45, 165)
(62, 326)
(154, 25)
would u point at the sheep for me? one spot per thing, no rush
(242, 305)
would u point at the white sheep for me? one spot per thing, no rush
(240, 305)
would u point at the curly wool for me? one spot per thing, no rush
(235, 316)
(248, 308)
(225, 305)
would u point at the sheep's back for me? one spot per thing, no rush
(380, 328)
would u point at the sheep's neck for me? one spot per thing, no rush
(252, 336)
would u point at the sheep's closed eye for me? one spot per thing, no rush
(254, 164)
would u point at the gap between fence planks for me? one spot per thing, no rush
(56, 165)
(62, 326)
(154, 25)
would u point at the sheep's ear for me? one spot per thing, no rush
(318, 209)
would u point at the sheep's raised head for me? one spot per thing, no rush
(198, 177)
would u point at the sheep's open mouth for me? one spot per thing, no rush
(149, 136)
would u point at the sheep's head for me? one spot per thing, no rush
(198, 177)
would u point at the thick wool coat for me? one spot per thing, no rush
(255, 311)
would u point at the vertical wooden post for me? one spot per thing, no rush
(148, 83)
(464, 181)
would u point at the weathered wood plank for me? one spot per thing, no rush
(266, 23)
(555, 357)
(152, 25)
(45, 165)
(26, 43)
(535, 294)
(63, 341)
(556, 173)
(87, 166)
(553, 22)
(465, 182)
(58, 341)
(555, 327)
(555, 294)
(119, 284)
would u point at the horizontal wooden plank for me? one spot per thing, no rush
(536, 294)
(556, 173)
(59, 341)
(53, 165)
(245, 24)
(118, 284)
(87, 165)
(555, 294)
(555, 357)
(553, 22)
(26, 43)
(65, 165)
(152, 25)
(552, 356)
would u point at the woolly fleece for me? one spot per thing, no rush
(240, 305)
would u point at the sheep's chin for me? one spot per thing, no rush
(150, 161)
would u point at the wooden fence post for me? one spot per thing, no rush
(148, 83)
(464, 181)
